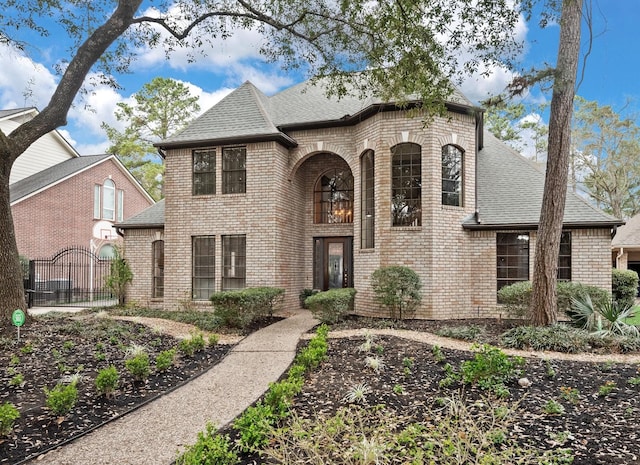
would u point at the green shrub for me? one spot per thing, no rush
(107, 380)
(191, 345)
(8, 415)
(62, 398)
(138, 366)
(624, 286)
(240, 308)
(398, 289)
(304, 293)
(254, 427)
(333, 305)
(165, 359)
(466, 333)
(119, 277)
(604, 319)
(279, 395)
(516, 297)
(211, 448)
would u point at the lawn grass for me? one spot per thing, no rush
(634, 320)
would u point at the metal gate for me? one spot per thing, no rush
(74, 277)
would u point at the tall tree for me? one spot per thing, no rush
(545, 266)
(401, 47)
(162, 107)
(606, 150)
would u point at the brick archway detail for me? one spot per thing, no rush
(304, 153)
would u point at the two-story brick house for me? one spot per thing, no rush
(298, 191)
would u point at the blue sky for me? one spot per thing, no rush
(611, 73)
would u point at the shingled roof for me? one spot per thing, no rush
(247, 114)
(151, 217)
(510, 189)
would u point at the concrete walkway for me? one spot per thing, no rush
(156, 432)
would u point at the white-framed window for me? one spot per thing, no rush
(108, 202)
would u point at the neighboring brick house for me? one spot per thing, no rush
(74, 203)
(44, 153)
(625, 246)
(301, 191)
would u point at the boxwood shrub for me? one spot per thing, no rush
(240, 308)
(333, 305)
(624, 286)
(516, 297)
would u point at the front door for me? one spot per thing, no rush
(332, 262)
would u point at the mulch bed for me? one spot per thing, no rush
(84, 345)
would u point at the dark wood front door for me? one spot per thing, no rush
(332, 262)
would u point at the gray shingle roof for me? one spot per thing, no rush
(52, 175)
(150, 217)
(510, 191)
(629, 234)
(247, 112)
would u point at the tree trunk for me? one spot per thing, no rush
(545, 270)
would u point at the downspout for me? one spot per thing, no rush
(619, 256)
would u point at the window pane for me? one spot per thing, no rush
(204, 172)
(109, 200)
(451, 175)
(406, 185)
(233, 262)
(333, 197)
(203, 277)
(564, 257)
(120, 206)
(512, 257)
(97, 193)
(158, 269)
(234, 174)
(368, 206)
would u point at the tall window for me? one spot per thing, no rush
(203, 277)
(406, 185)
(158, 269)
(204, 172)
(512, 258)
(367, 196)
(234, 262)
(108, 202)
(234, 173)
(451, 175)
(564, 258)
(333, 197)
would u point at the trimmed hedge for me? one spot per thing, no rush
(624, 286)
(331, 306)
(516, 297)
(240, 308)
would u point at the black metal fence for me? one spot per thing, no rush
(73, 277)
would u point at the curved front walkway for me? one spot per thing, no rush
(155, 433)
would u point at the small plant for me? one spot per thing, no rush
(120, 276)
(17, 380)
(407, 365)
(398, 289)
(100, 356)
(165, 359)
(553, 407)
(254, 427)
(62, 398)
(138, 366)
(213, 339)
(634, 380)
(490, 368)
(210, 448)
(357, 394)
(466, 333)
(603, 319)
(189, 346)
(375, 363)
(14, 361)
(8, 415)
(438, 356)
(551, 370)
(398, 389)
(560, 439)
(570, 394)
(107, 381)
(607, 388)
(68, 346)
(27, 349)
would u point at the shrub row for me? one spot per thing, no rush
(240, 308)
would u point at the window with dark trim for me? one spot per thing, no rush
(158, 269)
(367, 197)
(333, 197)
(204, 172)
(203, 270)
(512, 251)
(406, 185)
(234, 262)
(564, 257)
(451, 176)
(234, 173)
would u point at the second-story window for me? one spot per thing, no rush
(333, 197)
(234, 172)
(406, 185)
(108, 202)
(204, 172)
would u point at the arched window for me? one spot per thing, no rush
(406, 185)
(333, 197)
(108, 201)
(107, 251)
(451, 176)
(367, 197)
(158, 269)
